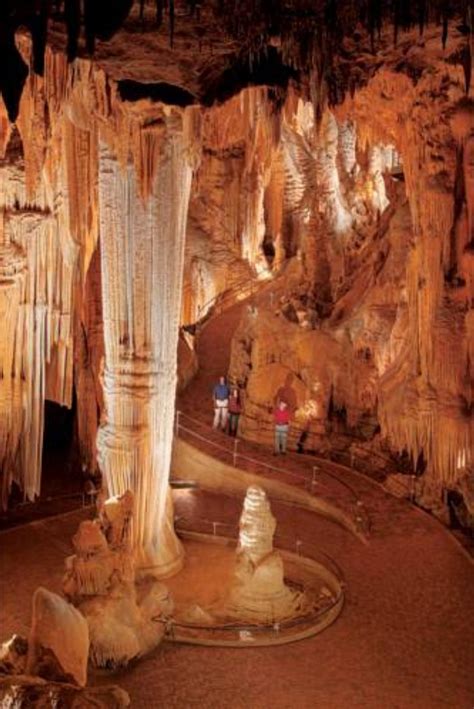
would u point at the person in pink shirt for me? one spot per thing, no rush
(281, 417)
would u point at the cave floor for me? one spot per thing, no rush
(405, 637)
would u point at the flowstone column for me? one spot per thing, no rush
(142, 250)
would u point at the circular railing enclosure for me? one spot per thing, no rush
(317, 571)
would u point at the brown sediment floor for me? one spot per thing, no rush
(405, 638)
(207, 572)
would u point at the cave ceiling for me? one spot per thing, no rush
(188, 52)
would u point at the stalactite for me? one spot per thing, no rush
(425, 393)
(38, 328)
(328, 177)
(5, 129)
(274, 208)
(262, 144)
(32, 126)
(81, 168)
(12, 278)
(377, 166)
(46, 182)
(246, 131)
(88, 354)
(347, 146)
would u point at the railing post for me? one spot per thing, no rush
(234, 453)
(178, 413)
(359, 517)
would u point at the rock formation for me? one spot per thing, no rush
(258, 592)
(58, 644)
(50, 667)
(124, 621)
(142, 245)
(74, 163)
(365, 330)
(13, 655)
(25, 692)
(371, 195)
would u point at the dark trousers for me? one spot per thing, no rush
(233, 424)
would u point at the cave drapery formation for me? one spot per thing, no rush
(88, 152)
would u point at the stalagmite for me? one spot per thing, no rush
(258, 591)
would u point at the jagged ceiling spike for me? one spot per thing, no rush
(171, 20)
(444, 36)
(159, 13)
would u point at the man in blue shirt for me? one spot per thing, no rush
(220, 397)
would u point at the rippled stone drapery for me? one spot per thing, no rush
(142, 250)
(37, 343)
(12, 278)
(47, 170)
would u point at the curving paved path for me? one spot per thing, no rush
(405, 638)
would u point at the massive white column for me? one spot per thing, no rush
(142, 249)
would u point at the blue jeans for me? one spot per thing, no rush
(281, 434)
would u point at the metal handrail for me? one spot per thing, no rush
(298, 431)
(251, 284)
(236, 455)
(234, 291)
(358, 509)
(239, 456)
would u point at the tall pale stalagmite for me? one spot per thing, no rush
(142, 227)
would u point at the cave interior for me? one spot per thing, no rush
(280, 194)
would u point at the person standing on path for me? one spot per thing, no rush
(235, 409)
(282, 424)
(221, 404)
